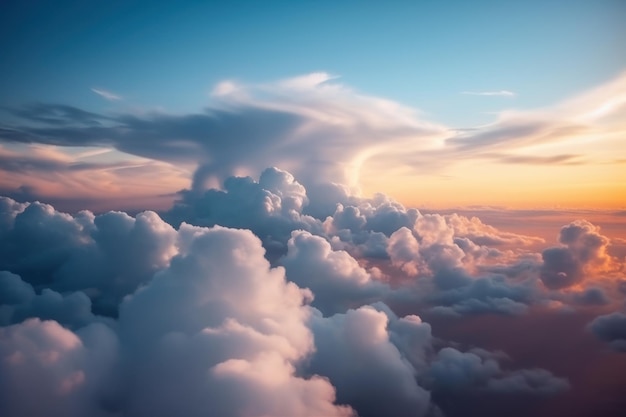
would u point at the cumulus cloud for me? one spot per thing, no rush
(382, 364)
(479, 370)
(611, 328)
(354, 350)
(592, 296)
(47, 369)
(199, 319)
(106, 256)
(364, 250)
(112, 314)
(227, 333)
(583, 254)
(431, 252)
(20, 302)
(335, 277)
(271, 207)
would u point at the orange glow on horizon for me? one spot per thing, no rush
(512, 186)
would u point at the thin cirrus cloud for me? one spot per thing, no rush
(81, 180)
(496, 93)
(599, 112)
(107, 95)
(565, 159)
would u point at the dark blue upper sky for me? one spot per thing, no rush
(168, 55)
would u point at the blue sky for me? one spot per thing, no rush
(420, 53)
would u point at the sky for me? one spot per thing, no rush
(546, 81)
(313, 209)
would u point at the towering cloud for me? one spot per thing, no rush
(312, 125)
(583, 254)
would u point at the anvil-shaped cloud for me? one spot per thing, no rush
(323, 131)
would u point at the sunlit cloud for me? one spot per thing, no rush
(322, 130)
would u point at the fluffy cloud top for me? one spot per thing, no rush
(583, 254)
(106, 256)
(198, 319)
(216, 330)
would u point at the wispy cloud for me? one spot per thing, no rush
(564, 159)
(322, 130)
(500, 93)
(107, 94)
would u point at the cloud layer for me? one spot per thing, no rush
(286, 293)
(263, 298)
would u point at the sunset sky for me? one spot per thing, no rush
(313, 208)
(441, 105)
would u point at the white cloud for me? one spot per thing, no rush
(500, 93)
(207, 323)
(323, 131)
(107, 95)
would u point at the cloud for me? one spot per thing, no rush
(480, 371)
(107, 256)
(57, 115)
(335, 277)
(198, 319)
(583, 254)
(47, 369)
(500, 93)
(611, 328)
(229, 332)
(231, 326)
(74, 182)
(107, 95)
(49, 161)
(434, 252)
(293, 123)
(564, 159)
(355, 351)
(366, 250)
(21, 302)
(599, 112)
(592, 296)
(279, 294)
(325, 132)
(382, 364)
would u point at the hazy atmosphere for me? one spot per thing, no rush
(331, 208)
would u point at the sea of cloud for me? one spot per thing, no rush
(261, 298)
